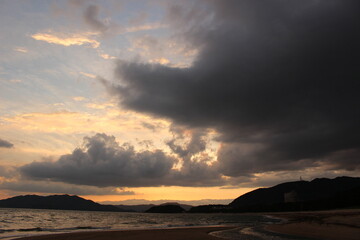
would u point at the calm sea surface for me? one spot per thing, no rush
(16, 223)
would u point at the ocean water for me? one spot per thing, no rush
(16, 223)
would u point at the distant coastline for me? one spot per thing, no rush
(318, 194)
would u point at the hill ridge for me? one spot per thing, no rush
(319, 189)
(58, 202)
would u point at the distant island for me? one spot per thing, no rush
(146, 207)
(318, 194)
(170, 208)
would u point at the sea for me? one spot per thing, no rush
(15, 223)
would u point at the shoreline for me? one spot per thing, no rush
(322, 225)
(180, 233)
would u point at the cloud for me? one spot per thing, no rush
(5, 144)
(89, 75)
(147, 43)
(21, 49)
(91, 15)
(103, 162)
(269, 179)
(277, 79)
(15, 80)
(79, 99)
(59, 121)
(99, 117)
(107, 56)
(59, 188)
(162, 60)
(152, 126)
(196, 144)
(107, 27)
(144, 27)
(169, 51)
(66, 40)
(100, 105)
(6, 172)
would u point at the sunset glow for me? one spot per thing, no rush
(157, 100)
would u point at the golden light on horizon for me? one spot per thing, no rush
(174, 193)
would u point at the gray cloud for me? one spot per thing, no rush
(152, 126)
(11, 180)
(274, 178)
(7, 172)
(195, 168)
(277, 79)
(103, 162)
(59, 188)
(196, 144)
(91, 17)
(5, 144)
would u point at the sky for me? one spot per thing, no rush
(195, 101)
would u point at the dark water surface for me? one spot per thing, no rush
(26, 222)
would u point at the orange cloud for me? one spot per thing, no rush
(101, 117)
(21, 49)
(162, 60)
(39, 134)
(88, 75)
(61, 39)
(144, 27)
(100, 106)
(107, 56)
(79, 98)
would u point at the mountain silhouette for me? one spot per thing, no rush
(145, 207)
(60, 202)
(170, 208)
(320, 193)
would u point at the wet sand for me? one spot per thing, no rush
(326, 225)
(196, 233)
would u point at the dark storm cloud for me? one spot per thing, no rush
(278, 79)
(103, 162)
(5, 144)
(58, 188)
(91, 17)
(12, 181)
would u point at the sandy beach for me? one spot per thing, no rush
(326, 225)
(198, 233)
